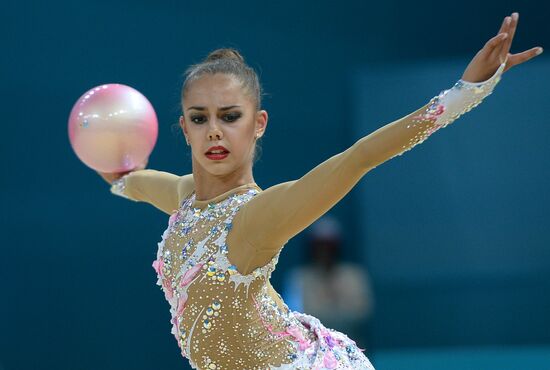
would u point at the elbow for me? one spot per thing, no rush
(362, 157)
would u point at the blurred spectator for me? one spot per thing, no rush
(337, 293)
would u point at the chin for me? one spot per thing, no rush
(218, 169)
(221, 168)
(219, 172)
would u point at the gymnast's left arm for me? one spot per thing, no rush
(280, 212)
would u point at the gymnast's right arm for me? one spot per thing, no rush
(161, 189)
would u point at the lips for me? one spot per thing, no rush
(217, 153)
(217, 150)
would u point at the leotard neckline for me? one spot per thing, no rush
(219, 198)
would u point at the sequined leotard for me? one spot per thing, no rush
(216, 256)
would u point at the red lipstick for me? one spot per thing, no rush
(217, 153)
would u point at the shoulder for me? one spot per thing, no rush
(180, 186)
(185, 186)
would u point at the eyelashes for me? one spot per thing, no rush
(229, 117)
(198, 119)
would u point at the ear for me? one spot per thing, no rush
(261, 123)
(183, 124)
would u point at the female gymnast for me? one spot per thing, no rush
(225, 234)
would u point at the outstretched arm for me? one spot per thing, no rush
(282, 211)
(160, 189)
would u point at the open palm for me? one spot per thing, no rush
(497, 51)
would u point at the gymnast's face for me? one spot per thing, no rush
(218, 112)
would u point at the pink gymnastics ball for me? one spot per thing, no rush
(113, 128)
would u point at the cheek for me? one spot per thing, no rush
(197, 135)
(244, 142)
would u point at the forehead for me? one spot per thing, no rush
(216, 90)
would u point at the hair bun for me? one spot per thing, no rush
(226, 53)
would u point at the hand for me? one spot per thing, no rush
(497, 51)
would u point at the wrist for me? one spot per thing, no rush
(118, 186)
(464, 96)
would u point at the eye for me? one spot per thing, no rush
(232, 117)
(198, 119)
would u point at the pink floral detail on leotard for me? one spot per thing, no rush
(303, 343)
(293, 331)
(157, 265)
(173, 218)
(186, 279)
(190, 274)
(329, 361)
(181, 304)
(168, 290)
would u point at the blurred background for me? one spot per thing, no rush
(452, 238)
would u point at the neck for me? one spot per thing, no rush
(208, 186)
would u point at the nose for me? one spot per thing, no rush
(214, 133)
(214, 136)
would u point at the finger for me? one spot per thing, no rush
(505, 24)
(511, 32)
(499, 54)
(513, 26)
(508, 65)
(495, 41)
(515, 59)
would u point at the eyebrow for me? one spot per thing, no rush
(222, 108)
